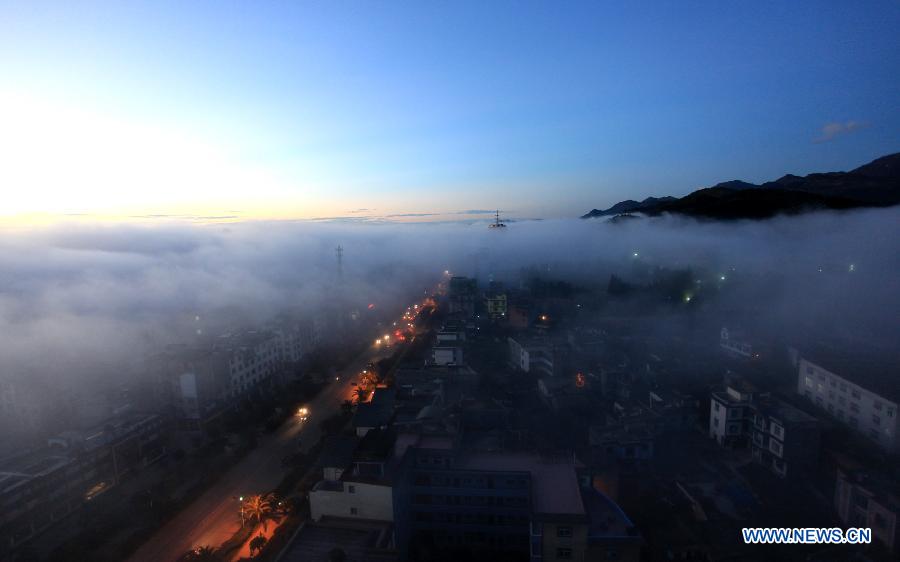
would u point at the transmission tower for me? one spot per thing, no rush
(339, 251)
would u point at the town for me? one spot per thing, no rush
(531, 419)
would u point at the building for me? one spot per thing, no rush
(785, 439)
(447, 356)
(729, 413)
(782, 438)
(461, 295)
(42, 486)
(734, 343)
(295, 339)
(357, 539)
(376, 413)
(195, 382)
(356, 480)
(495, 305)
(855, 391)
(866, 500)
(469, 503)
(532, 356)
(253, 357)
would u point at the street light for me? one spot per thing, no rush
(241, 499)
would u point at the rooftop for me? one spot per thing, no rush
(361, 541)
(338, 451)
(868, 369)
(554, 485)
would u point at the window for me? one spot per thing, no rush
(716, 404)
(833, 383)
(564, 531)
(877, 405)
(854, 407)
(809, 370)
(843, 387)
(873, 433)
(354, 511)
(778, 431)
(890, 412)
(855, 394)
(876, 420)
(351, 489)
(563, 553)
(809, 382)
(775, 447)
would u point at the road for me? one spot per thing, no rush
(215, 516)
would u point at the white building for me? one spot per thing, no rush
(733, 342)
(730, 414)
(447, 356)
(354, 499)
(872, 414)
(863, 499)
(531, 356)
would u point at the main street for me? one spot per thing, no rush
(215, 516)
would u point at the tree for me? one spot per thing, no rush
(200, 554)
(257, 543)
(360, 394)
(259, 507)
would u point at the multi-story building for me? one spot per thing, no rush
(869, 501)
(855, 391)
(461, 295)
(532, 356)
(495, 305)
(356, 483)
(508, 504)
(729, 413)
(296, 339)
(780, 437)
(253, 357)
(40, 487)
(785, 440)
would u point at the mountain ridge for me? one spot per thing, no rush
(876, 184)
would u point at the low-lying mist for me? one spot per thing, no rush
(77, 300)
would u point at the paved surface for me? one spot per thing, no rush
(215, 516)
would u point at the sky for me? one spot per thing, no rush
(426, 110)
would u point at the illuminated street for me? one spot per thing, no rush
(215, 517)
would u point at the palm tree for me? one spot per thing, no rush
(257, 543)
(360, 394)
(259, 507)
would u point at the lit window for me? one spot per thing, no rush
(564, 531)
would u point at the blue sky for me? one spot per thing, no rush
(310, 109)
